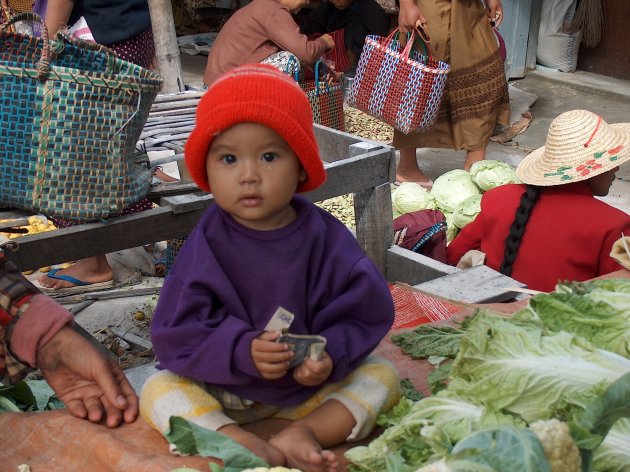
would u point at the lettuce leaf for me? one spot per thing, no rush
(520, 370)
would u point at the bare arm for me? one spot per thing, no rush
(57, 15)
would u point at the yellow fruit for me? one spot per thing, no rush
(139, 315)
(45, 269)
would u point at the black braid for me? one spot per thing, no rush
(517, 229)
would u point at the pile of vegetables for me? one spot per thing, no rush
(456, 193)
(547, 389)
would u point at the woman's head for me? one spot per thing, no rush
(262, 95)
(580, 146)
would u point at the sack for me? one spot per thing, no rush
(397, 85)
(557, 47)
(326, 100)
(71, 113)
(422, 231)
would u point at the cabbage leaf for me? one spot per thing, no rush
(452, 188)
(466, 212)
(490, 173)
(527, 373)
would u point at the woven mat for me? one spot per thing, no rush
(414, 308)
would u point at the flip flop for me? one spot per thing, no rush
(80, 285)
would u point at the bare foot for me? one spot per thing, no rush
(418, 177)
(300, 448)
(92, 270)
(257, 445)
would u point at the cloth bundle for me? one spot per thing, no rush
(400, 86)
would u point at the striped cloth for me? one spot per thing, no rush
(415, 308)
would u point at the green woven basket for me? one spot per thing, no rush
(71, 113)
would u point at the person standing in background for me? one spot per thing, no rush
(476, 96)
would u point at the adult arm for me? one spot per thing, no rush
(37, 333)
(284, 31)
(57, 15)
(606, 263)
(409, 14)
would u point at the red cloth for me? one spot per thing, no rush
(568, 237)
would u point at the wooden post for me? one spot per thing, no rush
(166, 48)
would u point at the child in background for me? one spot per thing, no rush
(553, 228)
(258, 30)
(257, 248)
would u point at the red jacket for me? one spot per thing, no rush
(568, 237)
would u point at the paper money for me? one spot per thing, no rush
(280, 321)
(303, 346)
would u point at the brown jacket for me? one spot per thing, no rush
(256, 31)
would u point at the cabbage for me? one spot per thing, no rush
(489, 174)
(467, 211)
(408, 197)
(452, 188)
(451, 228)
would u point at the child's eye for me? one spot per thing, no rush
(269, 156)
(229, 159)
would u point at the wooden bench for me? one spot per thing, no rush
(354, 166)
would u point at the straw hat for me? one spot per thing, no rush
(580, 145)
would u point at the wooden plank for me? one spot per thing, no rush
(373, 215)
(406, 266)
(166, 47)
(131, 338)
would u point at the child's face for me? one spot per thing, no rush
(253, 174)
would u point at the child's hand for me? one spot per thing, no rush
(271, 358)
(311, 373)
(329, 40)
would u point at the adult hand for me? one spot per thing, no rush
(311, 373)
(495, 12)
(90, 385)
(271, 358)
(330, 42)
(409, 15)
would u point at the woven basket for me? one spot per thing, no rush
(173, 246)
(71, 113)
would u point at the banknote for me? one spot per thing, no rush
(303, 346)
(280, 321)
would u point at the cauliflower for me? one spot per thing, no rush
(561, 452)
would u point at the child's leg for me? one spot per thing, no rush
(341, 412)
(166, 394)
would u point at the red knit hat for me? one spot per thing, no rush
(260, 94)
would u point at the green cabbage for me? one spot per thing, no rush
(452, 188)
(467, 211)
(489, 174)
(408, 197)
(613, 455)
(451, 228)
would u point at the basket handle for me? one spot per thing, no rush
(64, 33)
(43, 65)
(418, 34)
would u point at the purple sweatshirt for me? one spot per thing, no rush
(228, 280)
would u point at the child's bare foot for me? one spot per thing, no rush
(257, 445)
(300, 448)
(91, 270)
